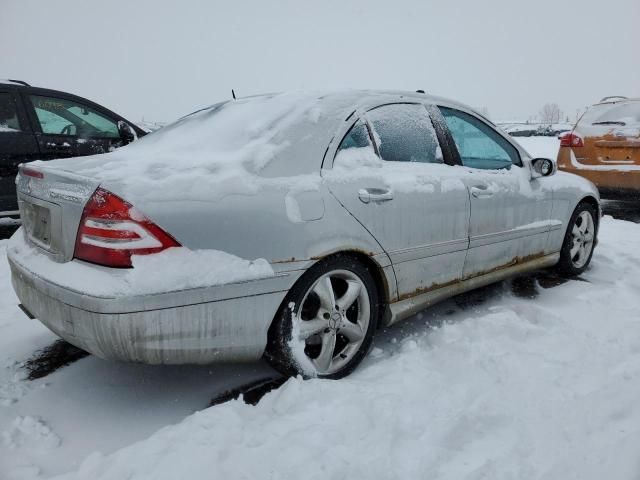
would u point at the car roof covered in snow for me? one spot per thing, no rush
(614, 100)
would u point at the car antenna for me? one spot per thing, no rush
(233, 94)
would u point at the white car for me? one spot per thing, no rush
(288, 225)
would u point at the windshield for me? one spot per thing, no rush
(623, 114)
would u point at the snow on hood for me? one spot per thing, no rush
(219, 150)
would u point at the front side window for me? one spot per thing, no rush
(404, 133)
(478, 144)
(8, 114)
(64, 117)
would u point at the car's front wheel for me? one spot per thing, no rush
(579, 240)
(326, 324)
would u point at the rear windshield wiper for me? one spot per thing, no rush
(609, 122)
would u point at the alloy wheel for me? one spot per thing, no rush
(582, 237)
(332, 320)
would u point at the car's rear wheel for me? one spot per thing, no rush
(326, 323)
(579, 241)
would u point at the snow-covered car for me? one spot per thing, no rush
(604, 147)
(288, 225)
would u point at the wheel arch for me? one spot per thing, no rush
(565, 265)
(591, 200)
(376, 270)
(277, 337)
(384, 289)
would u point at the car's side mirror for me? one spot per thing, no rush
(127, 133)
(542, 167)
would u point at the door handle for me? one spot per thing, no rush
(58, 146)
(481, 191)
(375, 195)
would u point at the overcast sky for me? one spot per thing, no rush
(162, 59)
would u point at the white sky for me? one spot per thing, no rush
(161, 59)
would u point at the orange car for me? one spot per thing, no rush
(604, 147)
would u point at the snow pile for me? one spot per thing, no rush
(540, 147)
(214, 152)
(149, 126)
(30, 432)
(297, 346)
(171, 270)
(354, 164)
(14, 386)
(526, 388)
(181, 268)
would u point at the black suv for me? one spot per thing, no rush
(42, 124)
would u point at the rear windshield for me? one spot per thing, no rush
(622, 114)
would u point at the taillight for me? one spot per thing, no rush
(571, 140)
(30, 172)
(111, 230)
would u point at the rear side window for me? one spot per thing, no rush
(357, 137)
(479, 145)
(8, 114)
(61, 116)
(404, 133)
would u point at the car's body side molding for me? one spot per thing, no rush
(404, 308)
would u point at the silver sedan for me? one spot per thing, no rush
(289, 226)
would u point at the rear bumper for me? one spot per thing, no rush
(613, 180)
(214, 324)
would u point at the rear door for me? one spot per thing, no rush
(66, 127)
(510, 211)
(402, 191)
(17, 145)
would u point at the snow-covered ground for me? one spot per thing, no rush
(546, 147)
(524, 380)
(91, 405)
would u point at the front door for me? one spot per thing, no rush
(510, 212)
(400, 189)
(68, 128)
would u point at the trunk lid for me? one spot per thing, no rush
(51, 202)
(619, 147)
(611, 133)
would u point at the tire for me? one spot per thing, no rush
(579, 241)
(311, 337)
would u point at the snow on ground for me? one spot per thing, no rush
(509, 387)
(91, 405)
(545, 147)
